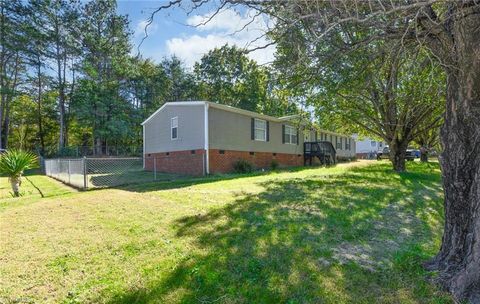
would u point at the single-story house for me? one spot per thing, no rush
(201, 137)
(367, 148)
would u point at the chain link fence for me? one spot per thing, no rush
(69, 171)
(88, 173)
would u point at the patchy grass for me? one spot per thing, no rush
(337, 235)
(32, 189)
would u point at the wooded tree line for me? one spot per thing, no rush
(68, 78)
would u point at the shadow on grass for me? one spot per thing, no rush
(129, 179)
(354, 237)
(170, 181)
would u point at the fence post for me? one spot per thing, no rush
(154, 168)
(85, 179)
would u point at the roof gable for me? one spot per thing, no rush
(175, 103)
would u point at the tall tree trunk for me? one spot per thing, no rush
(458, 261)
(6, 125)
(9, 98)
(2, 64)
(61, 100)
(424, 154)
(398, 149)
(99, 146)
(39, 105)
(61, 84)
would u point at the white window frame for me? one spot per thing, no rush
(256, 128)
(172, 127)
(293, 132)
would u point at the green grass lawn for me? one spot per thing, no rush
(33, 188)
(349, 234)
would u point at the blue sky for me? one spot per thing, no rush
(174, 32)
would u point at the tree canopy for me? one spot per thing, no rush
(74, 84)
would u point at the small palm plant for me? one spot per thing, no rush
(13, 163)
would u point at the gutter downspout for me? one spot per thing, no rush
(207, 164)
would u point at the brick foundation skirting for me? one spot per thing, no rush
(190, 162)
(223, 162)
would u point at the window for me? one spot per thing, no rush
(174, 127)
(338, 141)
(260, 130)
(290, 136)
(373, 143)
(347, 143)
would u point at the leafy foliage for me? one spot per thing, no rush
(243, 166)
(226, 75)
(384, 89)
(70, 79)
(14, 162)
(274, 164)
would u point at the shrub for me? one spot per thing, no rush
(13, 163)
(274, 164)
(242, 166)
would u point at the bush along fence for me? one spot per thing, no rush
(87, 173)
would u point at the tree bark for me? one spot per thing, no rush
(398, 150)
(458, 262)
(61, 85)
(423, 154)
(39, 105)
(2, 64)
(9, 98)
(15, 183)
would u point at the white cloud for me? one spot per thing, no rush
(140, 28)
(228, 19)
(227, 27)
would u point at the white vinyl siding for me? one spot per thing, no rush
(260, 130)
(290, 135)
(174, 128)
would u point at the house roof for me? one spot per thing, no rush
(250, 113)
(221, 107)
(234, 110)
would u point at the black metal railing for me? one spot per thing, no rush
(323, 150)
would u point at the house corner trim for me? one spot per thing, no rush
(207, 164)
